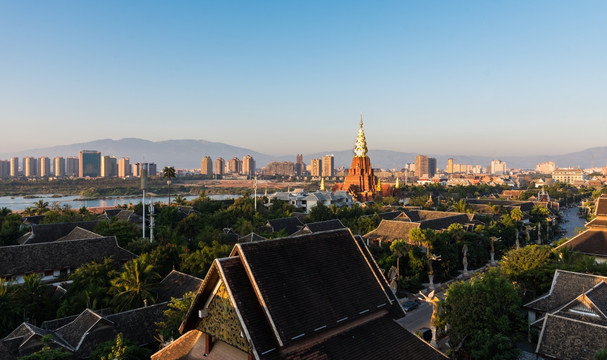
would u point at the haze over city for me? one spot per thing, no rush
(497, 78)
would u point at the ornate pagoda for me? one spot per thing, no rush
(360, 181)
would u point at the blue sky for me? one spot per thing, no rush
(281, 77)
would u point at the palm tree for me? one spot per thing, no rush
(168, 173)
(135, 285)
(180, 200)
(399, 248)
(41, 207)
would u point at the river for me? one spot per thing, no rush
(18, 203)
(571, 221)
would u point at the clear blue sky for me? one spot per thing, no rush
(442, 77)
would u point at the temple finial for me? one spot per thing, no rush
(361, 120)
(360, 150)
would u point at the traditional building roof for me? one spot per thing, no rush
(290, 224)
(36, 258)
(601, 206)
(569, 339)
(391, 230)
(52, 232)
(319, 226)
(566, 286)
(250, 237)
(311, 296)
(79, 233)
(592, 242)
(176, 284)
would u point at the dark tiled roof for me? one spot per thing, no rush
(368, 342)
(290, 224)
(51, 232)
(35, 258)
(34, 219)
(570, 339)
(180, 348)
(598, 295)
(112, 212)
(176, 284)
(139, 325)
(251, 237)
(566, 286)
(391, 230)
(79, 233)
(74, 331)
(444, 222)
(591, 242)
(124, 215)
(389, 215)
(326, 225)
(313, 284)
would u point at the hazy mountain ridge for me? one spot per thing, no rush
(188, 154)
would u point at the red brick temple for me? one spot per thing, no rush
(360, 181)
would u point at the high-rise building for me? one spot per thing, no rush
(89, 163)
(72, 166)
(14, 166)
(44, 167)
(137, 167)
(248, 166)
(30, 166)
(299, 165)
(316, 167)
(235, 165)
(124, 168)
(497, 167)
(106, 166)
(206, 166)
(5, 168)
(328, 166)
(220, 165)
(449, 169)
(59, 166)
(152, 169)
(425, 166)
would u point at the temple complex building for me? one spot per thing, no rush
(360, 181)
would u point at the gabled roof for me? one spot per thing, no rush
(52, 232)
(250, 237)
(34, 219)
(591, 242)
(75, 331)
(176, 284)
(566, 286)
(36, 258)
(79, 233)
(570, 339)
(391, 230)
(319, 226)
(290, 224)
(314, 296)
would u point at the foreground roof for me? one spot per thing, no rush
(313, 296)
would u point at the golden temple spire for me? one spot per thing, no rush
(360, 150)
(322, 184)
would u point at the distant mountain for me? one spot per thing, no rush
(188, 153)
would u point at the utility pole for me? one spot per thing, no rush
(255, 197)
(144, 185)
(152, 225)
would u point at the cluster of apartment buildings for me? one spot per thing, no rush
(88, 164)
(234, 166)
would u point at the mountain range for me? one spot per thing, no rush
(188, 154)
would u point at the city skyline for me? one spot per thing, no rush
(517, 78)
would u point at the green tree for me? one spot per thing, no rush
(41, 207)
(399, 248)
(179, 199)
(168, 173)
(120, 348)
(484, 316)
(173, 316)
(600, 354)
(197, 263)
(531, 267)
(46, 353)
(124, 231)
(136, 284)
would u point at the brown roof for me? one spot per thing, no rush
(601, 206)
(566, 286)
(251, 237)
(79, 233)
(591, 242)
(599, 222)
(570, 339)
(178, 349)
(391, 230)
(36, 258)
